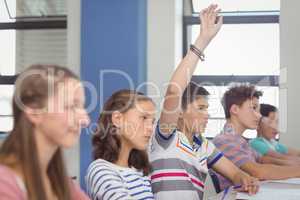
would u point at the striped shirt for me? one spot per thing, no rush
(107, 181)
(236, 149)
(179, 169)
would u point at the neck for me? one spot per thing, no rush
(46, 150)
(124, 154)
(237, 126)
(259, 133)
(187, 132)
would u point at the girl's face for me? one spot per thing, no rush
(60, 124)
(138, 124)
(269, 126)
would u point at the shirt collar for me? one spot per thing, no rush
(229, 129)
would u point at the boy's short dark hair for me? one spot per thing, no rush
(191, 93)
(266, 109)
(238, 95)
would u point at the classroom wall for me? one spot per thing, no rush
(72, 155)
(290, 72)
(164, 42)
(114, 38)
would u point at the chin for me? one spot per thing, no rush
(252, 127)
(141, 147)
(70, 143)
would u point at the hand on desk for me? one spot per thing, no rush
(247, 183)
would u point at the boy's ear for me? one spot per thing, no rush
(180, 115)
(116, 118)
(234, 109)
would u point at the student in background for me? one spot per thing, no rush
(121, 167)
(48, 111)
(266, 145)
(179, 155)
(241, 106)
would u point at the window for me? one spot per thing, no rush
(30, 32)
(240, 49)
(234, 6)
(245, 50)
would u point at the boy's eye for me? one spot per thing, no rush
(144, 117)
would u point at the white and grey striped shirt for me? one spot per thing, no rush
(107, 181)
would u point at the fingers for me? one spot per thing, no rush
(203, 15)
(251, 185)
(212, 13)
(210, 22)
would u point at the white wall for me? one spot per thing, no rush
(164, 43)
(290, 73)
(72, 156)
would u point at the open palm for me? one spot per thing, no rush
(210, 22)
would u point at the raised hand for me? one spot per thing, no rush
(210, 21)
(210, 25)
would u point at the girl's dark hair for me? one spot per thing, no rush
(106, 142)
(32, 89)
(266, 109)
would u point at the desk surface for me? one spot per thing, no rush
(277, 190)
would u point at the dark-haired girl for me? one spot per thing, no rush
(121, 165)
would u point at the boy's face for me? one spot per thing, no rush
(248, 113)
(195, 116)
(269, 126)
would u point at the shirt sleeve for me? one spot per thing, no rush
(103, 182)
(259, 146)
(9, 189)
(213, 154)
(163, 139)
(282, 148)
(233, 151)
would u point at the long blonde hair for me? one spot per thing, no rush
(32, 90)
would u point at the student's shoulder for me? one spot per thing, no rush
(9, 188)
(101, 165)
(223, 138)
(76, 192)
(257, 142)
(6, 173)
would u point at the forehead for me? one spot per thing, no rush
(273, 115)
(252, 101)
(145, 107)
(200, 101)
(70, 89)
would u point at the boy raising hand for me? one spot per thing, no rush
(180, 156)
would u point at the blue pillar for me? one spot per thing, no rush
(113, 37)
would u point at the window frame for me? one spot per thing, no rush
(191, 18)
(36, 23)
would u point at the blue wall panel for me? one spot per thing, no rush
(113, 37)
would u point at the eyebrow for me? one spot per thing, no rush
(203, 105)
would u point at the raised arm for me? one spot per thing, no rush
(210, 25)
